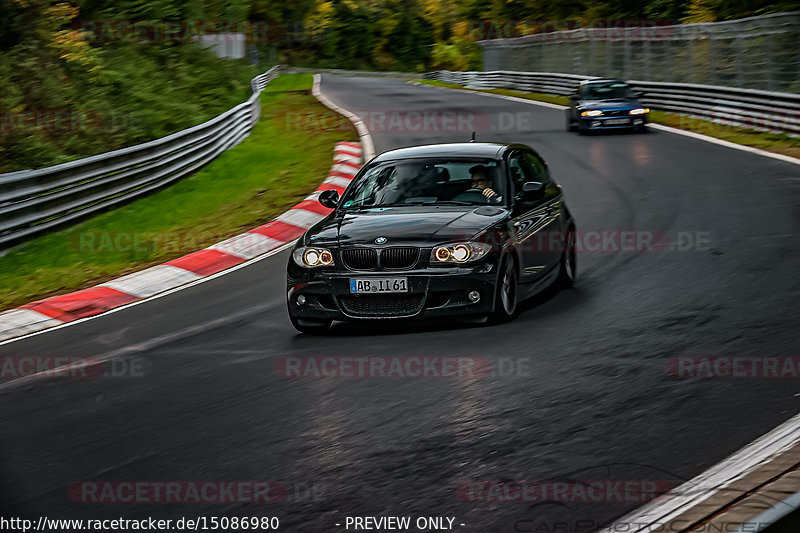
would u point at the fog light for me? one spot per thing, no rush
(474, 296)
(637, 122)
(596, 124)
(301, 300)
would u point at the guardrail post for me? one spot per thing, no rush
(712, 64)
(626, 45)
(769, 63)
(739, 55)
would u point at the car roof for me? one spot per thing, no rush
(467, 149)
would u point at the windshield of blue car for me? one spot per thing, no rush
(428, 182)
(606, 91)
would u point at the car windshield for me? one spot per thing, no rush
(605, 91)
(428, 182)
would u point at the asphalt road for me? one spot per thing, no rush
(593, 401)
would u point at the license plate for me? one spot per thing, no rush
(378, 285)
(617, 121)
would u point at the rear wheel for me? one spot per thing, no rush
(505, 302)
(312, 327)
(568, 268)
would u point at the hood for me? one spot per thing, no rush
(611, 104)
(406, 225)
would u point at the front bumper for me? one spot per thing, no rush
(434, 292)
(613, 122)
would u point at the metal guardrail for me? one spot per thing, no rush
(749, 108)
(759, 52)
(356, 73)
(35, 201)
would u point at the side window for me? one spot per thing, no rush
(518, 172)
(531, 168)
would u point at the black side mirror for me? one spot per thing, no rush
(532, 190)
(329, 198)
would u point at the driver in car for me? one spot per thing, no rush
(481, 181)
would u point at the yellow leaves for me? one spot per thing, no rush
(71, 47)
(352, 5)
(700, 11)
(322, 16)
(61, 13)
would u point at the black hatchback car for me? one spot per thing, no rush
(606, 105)
(446, 230)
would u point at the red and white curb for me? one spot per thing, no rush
(57, 310)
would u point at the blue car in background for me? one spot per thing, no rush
(606, 105)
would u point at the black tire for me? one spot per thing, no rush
(582, 130)
(505, 300)
(568, 268)
(570, 124)
(312, 327)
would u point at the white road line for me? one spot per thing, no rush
(742, 462)
(366, 138)
(713, 480)
(150, 343)
(251, 246)
(153, 280)
(139, 302)
(693, 135)
(706, 138)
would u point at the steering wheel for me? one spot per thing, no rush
(494, 199)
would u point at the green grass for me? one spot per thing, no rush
(780, 143)
(539, 97)
(286, 156)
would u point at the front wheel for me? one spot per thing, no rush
(568, 268)
(505, 301)
(570, 124)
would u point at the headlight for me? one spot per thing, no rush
(639, 111)
(459, 252)
(312, 257)
(592, 113)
